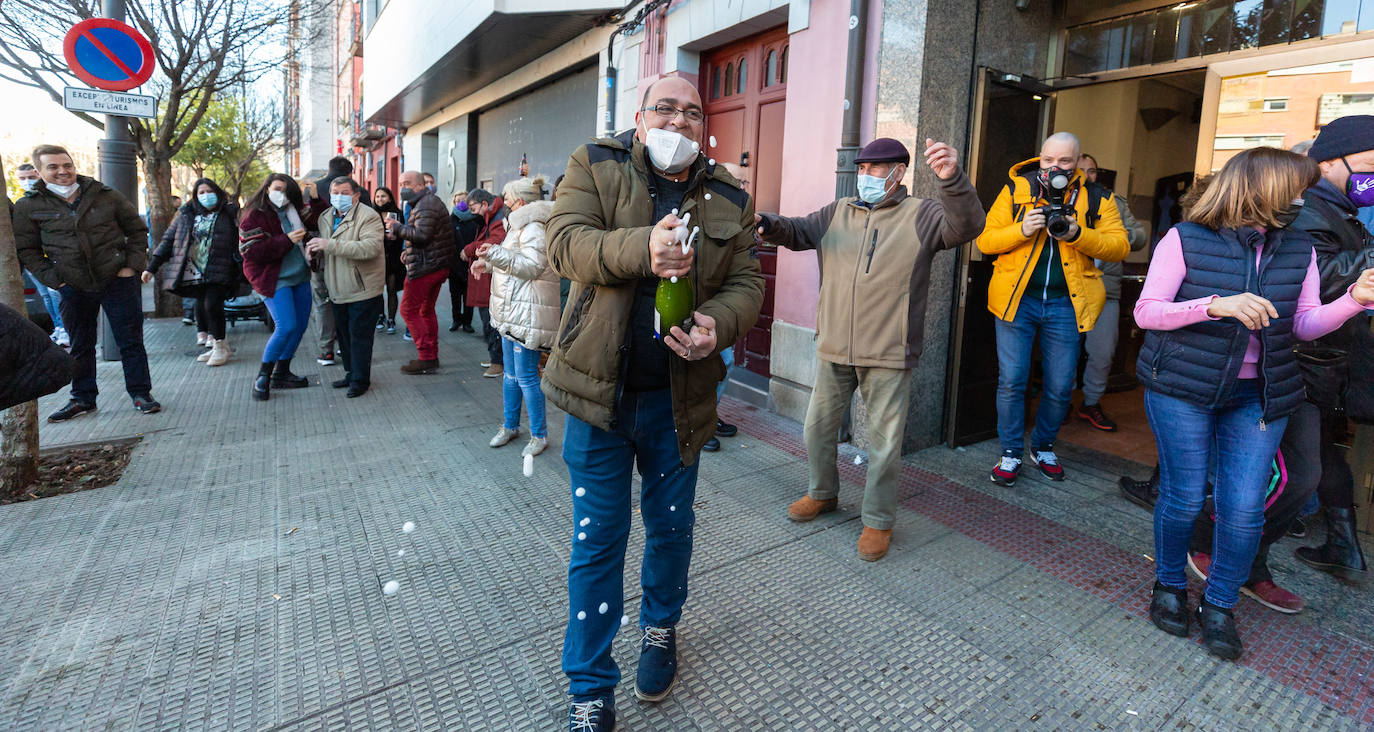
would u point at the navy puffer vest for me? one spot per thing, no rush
(1200, 363)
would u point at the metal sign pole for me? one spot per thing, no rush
(118, 170)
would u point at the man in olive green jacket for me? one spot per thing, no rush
(354, 272)
(874, 253)
(631, 396)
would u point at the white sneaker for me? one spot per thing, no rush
(60, 337)
(203, 339)
(504, 437)
(535, 446)
(206, 355)
(219, 354)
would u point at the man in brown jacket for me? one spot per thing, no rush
(631, 397)
(429, 251)
(874, 253)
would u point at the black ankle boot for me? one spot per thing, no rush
(1169, 610)
(1219, 632)
(262, 386)
(1341, 554)
(282, 378)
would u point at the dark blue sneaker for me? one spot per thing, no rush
(597, 715)
(657, 664)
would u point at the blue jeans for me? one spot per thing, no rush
(1190, 439)
(599, 463)
(290, 309)
(520, 382)
(1057, 325)
(52, 301)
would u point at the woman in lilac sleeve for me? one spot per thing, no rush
(1230, 292)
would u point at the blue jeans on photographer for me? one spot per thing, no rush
(1189, 436)
(599, 464)
(1056, 325)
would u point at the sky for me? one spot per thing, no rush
(33, 118)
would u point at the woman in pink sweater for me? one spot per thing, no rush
(1229, 294)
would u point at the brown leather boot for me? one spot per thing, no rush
(421, 366)
(807, 508)
(873, 544)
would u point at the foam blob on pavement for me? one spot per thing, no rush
(408, 526)
(391, 588)
(529, 466)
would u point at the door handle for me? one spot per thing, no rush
(744, 159)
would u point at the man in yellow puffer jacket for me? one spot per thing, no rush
(1044, 283)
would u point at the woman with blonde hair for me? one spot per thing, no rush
(1229, 293)
(524, 307)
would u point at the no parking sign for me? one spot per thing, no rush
(109, 54)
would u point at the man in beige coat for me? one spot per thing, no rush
(354, 269)
(874, 252)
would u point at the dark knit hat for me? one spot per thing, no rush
(884, 150)
(1343, 136)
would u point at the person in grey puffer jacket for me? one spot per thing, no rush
(1100, 342)
(525, 307)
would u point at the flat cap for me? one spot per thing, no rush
(884, 150)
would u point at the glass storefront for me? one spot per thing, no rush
(1192, 29)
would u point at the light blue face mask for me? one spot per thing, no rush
(873, 189)
(341, 202)
(208, 200)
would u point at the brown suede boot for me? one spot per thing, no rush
(807, 508)
(873, 544)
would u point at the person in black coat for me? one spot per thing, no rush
(198, 258)
(384, 203)
(465, 226)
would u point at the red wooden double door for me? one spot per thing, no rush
(744, 87)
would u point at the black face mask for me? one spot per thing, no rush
(1285, 218)
(407, 195)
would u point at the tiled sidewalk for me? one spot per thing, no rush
(233, 579)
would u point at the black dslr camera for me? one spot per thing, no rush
(1059, 214)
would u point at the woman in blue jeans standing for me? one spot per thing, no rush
(271, 237)
(525, 308)
(1229, 294)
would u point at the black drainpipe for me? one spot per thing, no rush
(845, 169)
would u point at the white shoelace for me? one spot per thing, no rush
(1046, 458)
(657, 637)
(583, 715)
(1009, 464)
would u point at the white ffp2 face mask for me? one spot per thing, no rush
(278, 198)
(28, 184)
(670, 151)
(61, 190)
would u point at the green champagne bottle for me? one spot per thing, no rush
(673, 305)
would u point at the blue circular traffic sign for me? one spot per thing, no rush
(108, 54)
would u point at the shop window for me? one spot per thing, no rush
(1279, 104)
(770, 68)
(729, 78)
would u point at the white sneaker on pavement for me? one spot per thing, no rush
(535, 446)
(504, 437)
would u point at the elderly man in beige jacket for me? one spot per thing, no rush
(354, 265)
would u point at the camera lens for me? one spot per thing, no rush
(1057, 225)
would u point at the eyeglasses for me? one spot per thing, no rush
(695, 116)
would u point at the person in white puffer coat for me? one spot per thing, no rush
(525, 308)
